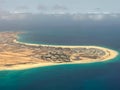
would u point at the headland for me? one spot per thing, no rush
(15, 55)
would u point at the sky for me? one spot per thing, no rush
(26, 14)
(69, 6)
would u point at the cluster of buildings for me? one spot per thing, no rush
(50, 54)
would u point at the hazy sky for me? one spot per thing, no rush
(24, 14)
(60, 5)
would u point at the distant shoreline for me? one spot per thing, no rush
(109, 54)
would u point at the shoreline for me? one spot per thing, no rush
(113, 52)
(110, 54)
(62, 46)
(31, 66)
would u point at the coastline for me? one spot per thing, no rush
(30, 66)
(110, 54)
(113, 55)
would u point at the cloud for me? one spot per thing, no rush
(30, 21)
(42, 7)
(13, 16)
(6, 15)
(22, 8)
(17, 15)
(95, 17)
(3, 12)
(59, 7)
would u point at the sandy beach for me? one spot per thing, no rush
(112, 54)
(16, 55)
(43, 64)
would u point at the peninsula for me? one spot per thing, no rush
(15, 55)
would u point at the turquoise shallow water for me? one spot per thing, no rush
(93, 76)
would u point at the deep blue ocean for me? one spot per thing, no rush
(92, 76)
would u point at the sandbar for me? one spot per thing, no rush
(16, 55)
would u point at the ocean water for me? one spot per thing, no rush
(100, 36)
(92, 76)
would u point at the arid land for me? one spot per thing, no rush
(15, 55)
